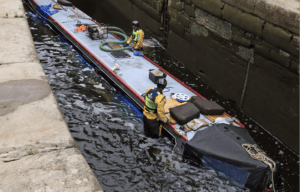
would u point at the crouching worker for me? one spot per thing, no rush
(154, 110)
(136, 37)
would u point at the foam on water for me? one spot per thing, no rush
(99, 86)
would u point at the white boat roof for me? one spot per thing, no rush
(135, 69)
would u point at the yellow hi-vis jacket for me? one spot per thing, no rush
(160, 102)
(136, 38)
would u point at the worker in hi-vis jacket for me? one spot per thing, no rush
(154, 110)
(136, 37)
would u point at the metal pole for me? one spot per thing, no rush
(245, 84)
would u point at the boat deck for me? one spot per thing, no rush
(135, 69)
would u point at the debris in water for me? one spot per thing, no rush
(80, 104)
(99, 86)
(131, 125)
(87, 69)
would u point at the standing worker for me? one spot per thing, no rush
(136, 37)
(154, 110)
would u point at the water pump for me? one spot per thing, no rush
(96, 32)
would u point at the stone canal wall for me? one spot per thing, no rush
(216, 39)
(37, 151)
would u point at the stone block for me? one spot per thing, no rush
(18, 46)
(183, 20)
(295, 66)
(220, 27)
(245, 5)
(176, 4)
(126, 6)
(188, 2)
(62, 170)
(179, 47)
(138, 3)
(22, 71)
(173, 13)
(189, 10)
(246, 54)
(278, 37)
(213, 7)
(262, 50)
(264, 43)
(198, 30)
(154, 26)
(177, 28)
(238, 35)
(272, 99)
(242, 41)
(296, 41)
(159, 38)
(12, 8)
(31, 90)
(285, 15)
(188, 37)
(146, 21)
(295, 45)
(283, 53)
(17, 130)
(243, 20)
(217, 64)
(196, 41)
(151, 12)
(157, 5)
(280, 58)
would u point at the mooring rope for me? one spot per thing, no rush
(261, 156)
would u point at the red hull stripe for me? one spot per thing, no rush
(124, 83)
(186, 86)
(107, 68)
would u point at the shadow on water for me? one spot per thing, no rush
(110, 135)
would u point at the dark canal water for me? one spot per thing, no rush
(110, 134)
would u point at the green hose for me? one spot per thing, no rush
(122, 33)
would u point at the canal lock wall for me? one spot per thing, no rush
(37, 150)
(226, 42)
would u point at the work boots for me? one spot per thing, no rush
(64, 2)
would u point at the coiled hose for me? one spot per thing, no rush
(121, 33)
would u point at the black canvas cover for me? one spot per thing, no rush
(207, 107)
(185, 113)
(221, 148)
(64, 2)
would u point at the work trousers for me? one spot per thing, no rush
(140, 49)
(152, 126)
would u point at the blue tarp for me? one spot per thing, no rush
(137, 53)
(133, 107)
(44, 11)
(220, 148)
(237, 174)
